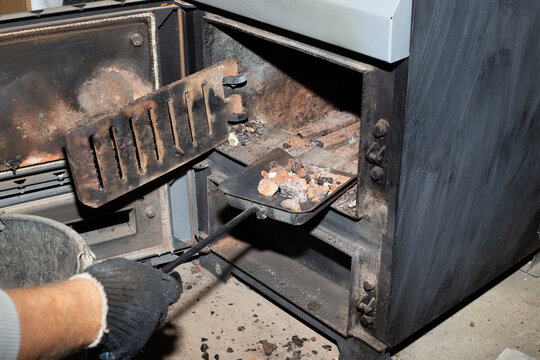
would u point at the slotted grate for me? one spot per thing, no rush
(152, 136)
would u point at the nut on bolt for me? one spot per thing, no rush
(368, 286)
(367, 309)
(381, 128)
(366, 320)
(377, 174)
(136, 39)
(150, 212)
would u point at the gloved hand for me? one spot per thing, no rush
(137, 300)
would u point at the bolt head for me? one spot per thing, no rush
(137, 39)
(381, 128)
(377, 173)
(150, 212)
(368, 286)
(366, 320)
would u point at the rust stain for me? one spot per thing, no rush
(141, 141)
(36, 116)
(109, 89)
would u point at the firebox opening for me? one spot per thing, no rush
(300, 267)
(115, 219)
(313, 101)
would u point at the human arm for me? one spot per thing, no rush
(55, 320)
(127, 300)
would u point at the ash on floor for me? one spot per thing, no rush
(229, 321)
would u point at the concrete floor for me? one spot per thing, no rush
(506, 316)
(215, 320)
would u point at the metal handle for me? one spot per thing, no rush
(210, 239)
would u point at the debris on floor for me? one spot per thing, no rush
(229, 321)
(268, 347)
(212, 313)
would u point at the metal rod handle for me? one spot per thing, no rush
(210, 239)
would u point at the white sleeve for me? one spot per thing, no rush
(10, 332)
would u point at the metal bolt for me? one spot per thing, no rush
(376, 153)
(381, 128)
(362, 308)
(136, 39)
(368, 286)
(150, 212)
(366, 308)
(365, 299)
(377, 174)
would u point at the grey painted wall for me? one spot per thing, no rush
(468, 205)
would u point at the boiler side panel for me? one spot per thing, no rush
(469, 193)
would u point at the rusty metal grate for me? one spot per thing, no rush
(152, 136)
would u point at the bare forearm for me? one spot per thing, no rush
(57, 319)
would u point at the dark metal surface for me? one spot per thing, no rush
(288, 260)
(300, 285)
(33, 182)
(89, 52)
(210, 239)
(169, 52)
(378, 179)
(120, 229)
(56, 77)
(328, 258)
(469, 192)
(468, 189)
(290, 92)
(342, 60)
(241, 191)
(152, 136)
(287, 92)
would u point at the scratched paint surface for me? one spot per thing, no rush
(469, 185)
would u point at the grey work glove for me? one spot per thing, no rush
(137, 300)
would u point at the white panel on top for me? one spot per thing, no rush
(376, 28)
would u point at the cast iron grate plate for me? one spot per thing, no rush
(152, 136)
